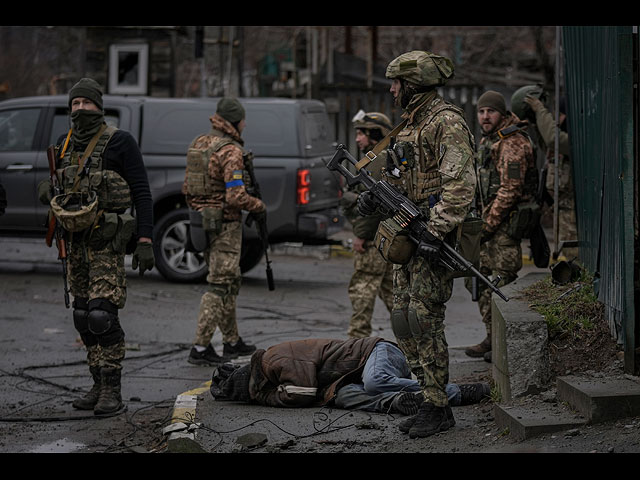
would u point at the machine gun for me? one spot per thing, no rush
(261, 223)
(406, 213)
(54, 229)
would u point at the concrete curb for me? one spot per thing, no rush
(183, 438)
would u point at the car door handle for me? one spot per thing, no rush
(19, 167)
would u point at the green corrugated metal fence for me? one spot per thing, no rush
(599, 81)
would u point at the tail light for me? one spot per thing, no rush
(304, 183)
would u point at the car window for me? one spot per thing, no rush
(62, 123)
(17, 129)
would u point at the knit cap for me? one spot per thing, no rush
(87, 88)
(492, 99)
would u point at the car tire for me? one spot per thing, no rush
(177, 263)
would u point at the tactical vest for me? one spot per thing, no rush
(113, 192)
(488, 175)
(199, 182)
(421, 170)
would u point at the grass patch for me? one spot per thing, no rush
(569, 309)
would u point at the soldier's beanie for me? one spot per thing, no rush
(493, 100)
(87, 88)
(230, 109)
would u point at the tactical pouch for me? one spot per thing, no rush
(197, 235)
(104, 231)
(523, 220)
(467, 243)
(393, 242)
(212, 221)
(124, 232)
(197, 164)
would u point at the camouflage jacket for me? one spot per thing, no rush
(439, 174)
(226, 166)
(505, 163)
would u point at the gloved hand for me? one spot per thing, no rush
(259, 216)
(533, 102)
(367, 204)
(143, 257)
(486, 235)
(430, 247)
(44, 191)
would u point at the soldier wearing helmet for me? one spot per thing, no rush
(529, 100)
(373, 275)
(436, 170)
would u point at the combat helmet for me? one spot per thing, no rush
(76, 211)
(372, 121)
(522, 108)
(421, 68)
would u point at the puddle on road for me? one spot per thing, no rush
(58, 446)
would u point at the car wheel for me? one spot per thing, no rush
(177, 263)
(173, 260)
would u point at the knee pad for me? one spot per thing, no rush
(81, 323)
(400, 325)
(102, 321)
(414, 325)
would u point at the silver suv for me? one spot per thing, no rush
(290, 140)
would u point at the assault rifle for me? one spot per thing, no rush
(261, 225)
(406, 213)
(54, 229)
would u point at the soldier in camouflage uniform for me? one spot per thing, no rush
(96, 159)
(437, 174)
(543, 121)
(507, 176)
(373, 275)
(216, 185)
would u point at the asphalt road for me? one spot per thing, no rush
(42, 363)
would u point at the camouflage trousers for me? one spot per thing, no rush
(218, 305)
(500, 255)
(567, 227)
(94, 274)
(372, 277)
(421, 290)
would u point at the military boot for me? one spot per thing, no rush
(110, 400)
(430, 420)
(237, 349)
(471, 393)
(407, 403)
(405, 425)
(91, 398)
(478, 351)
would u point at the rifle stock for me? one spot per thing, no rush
(54, 229)
(406, 213)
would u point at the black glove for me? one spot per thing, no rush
(259, 216)
(430, 247)
(367, 204)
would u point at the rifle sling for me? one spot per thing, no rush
(85, 155)
(381, 145)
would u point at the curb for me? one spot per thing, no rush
(182, 438)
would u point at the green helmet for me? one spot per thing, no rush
(520, 107)
(372, 121)
(421, 68)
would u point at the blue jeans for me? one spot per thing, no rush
(386, 374)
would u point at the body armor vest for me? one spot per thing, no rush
(421, 171)
(199, 182)
(112, 190)
(488, 175)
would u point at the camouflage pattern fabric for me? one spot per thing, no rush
(110, 357)
(218, 305)
(502, 184)
(96, 273)
(511, 157)
(227, 168)
(372, 277)
(421, 294)
(441, 167)
(567, 227)
(500, 255)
